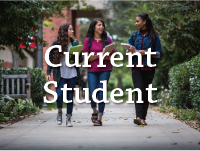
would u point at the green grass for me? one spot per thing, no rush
(54, 105)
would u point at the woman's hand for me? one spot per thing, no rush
(142, 52)
(92, 58)
(108, 57)
(131, 49)
(48, 77)
(96, 57)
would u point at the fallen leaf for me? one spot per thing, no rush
(199, 142)
(173, 143)
(149, 137)
(125, 119)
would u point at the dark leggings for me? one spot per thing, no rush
(142, 79)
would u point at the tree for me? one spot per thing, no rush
(178, 25)
(20, 19)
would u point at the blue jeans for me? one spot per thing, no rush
(70, 84)
(94, 79)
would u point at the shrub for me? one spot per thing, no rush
(38, 81)
(9, 107)
(184, 82)
(1, 62)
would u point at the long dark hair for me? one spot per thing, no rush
(150, 29)
(90, 32)
(62, 39)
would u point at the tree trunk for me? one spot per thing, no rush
(39, 46)
(14, 58)
(120, 82)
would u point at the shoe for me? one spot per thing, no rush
(137, 121)
(59, 118)
(68, 122)
(143, 123)
(94, 118)
(97, 123)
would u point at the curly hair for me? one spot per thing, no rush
(90, 32)
(62, 39)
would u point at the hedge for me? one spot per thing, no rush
(38, 81)
(184, 82)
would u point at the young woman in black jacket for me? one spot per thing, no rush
(64, 74)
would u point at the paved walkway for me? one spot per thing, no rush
(118, 131)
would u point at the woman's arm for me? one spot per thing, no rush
(131, 48)
(158, 48)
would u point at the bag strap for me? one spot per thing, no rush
(107, 39)
(90, 42)
(153, 41)
(134, 37)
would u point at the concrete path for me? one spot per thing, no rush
(118, 132)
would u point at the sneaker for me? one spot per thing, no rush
(68, 122)
(59, 118)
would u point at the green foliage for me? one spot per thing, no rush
(53, 106)
(3, 118)
(184, 82)
(38, 81)
(48, 24)
(186, 115)
(20, 20)
(181, 23)
(177, 22)
(1, 62)
(9, 107)
(167, 109)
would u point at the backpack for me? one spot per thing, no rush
(90, 42)
(153, 40)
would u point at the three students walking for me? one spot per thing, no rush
(96, 39)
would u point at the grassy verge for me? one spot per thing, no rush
(53, 106)
(189, 116)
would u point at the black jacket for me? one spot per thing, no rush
(56, 70)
